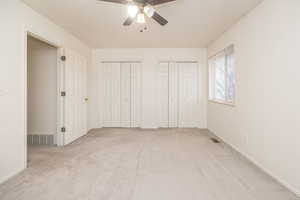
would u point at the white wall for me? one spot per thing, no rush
(150, 59)
(265, 125)
(14, 18)
(42, 88)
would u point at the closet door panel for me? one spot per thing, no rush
(125, 95)
(83, 96)
(101, 88)
(79, 101)
(120, 94)
(106, 94)
(163, 95)
(115, 95)
(173, 95)
(188, 94)
(136, 96)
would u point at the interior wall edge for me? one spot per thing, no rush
(18, 19)
(251, 159)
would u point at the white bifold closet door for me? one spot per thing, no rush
(136, 94)
(125, 98)
(188, 94)
(75, 100)
(173, 95)
(178, 94)
(120, 85)
(163, 100)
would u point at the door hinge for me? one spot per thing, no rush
(63, 129)
(63, 58)
(63, 93)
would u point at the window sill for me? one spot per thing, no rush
(222, 102)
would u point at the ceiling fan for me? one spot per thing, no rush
(138, 9)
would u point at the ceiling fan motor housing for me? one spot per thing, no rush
(139, 8)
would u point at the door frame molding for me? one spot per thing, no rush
(27, 31)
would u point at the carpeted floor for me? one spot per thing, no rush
(134, 164)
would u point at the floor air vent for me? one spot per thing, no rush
(214, 140)
(40, 140)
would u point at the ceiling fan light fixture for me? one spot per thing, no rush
(149, 11)
(141, 18)
(133, 10)
(138, 10)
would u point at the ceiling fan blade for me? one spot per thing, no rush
(157, 2)
(116, 1)
(141, 1)
(128, 21)
(157, 17)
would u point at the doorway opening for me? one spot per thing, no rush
(42, 97)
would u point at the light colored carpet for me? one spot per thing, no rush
(133, 164)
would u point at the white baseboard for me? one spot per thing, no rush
(6, 178)
(260, 166)
(149, 127)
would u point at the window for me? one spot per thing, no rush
(222, 76)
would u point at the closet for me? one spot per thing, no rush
(178, 93)
(120, 94)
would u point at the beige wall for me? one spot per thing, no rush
(15, 18)
(42, 88)
(265, 125)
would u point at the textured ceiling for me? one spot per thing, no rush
(192, 23)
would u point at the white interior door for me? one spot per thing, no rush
(163, 95)
(111, 98)
(188, 94)
(120, 86)
(105, 84)
(136, 94)
(75, 108)
(178, 94)
(115, 99)
(168, 94)
(173, 94)
(126, 95)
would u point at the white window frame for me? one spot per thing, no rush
(229, 51)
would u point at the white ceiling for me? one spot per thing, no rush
(192, 23)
